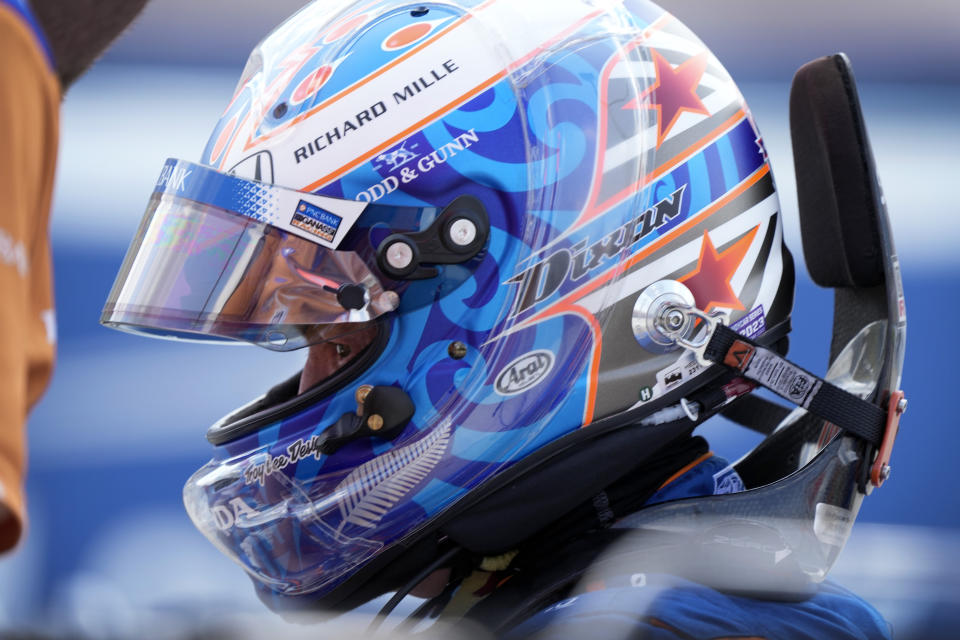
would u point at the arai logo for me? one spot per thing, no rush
(524, 373)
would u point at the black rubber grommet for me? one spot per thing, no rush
(352, 296)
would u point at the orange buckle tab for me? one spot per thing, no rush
(880, 470)
(739, 355)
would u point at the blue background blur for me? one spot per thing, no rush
(122, 426)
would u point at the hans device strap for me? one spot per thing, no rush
(715, 343)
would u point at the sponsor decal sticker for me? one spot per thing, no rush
(402, 159)
(751, 324)
(524, 373)
(540, 281)
(225, 516)
(685, 369)
(312, 218)
(363, 118)
(258, 472)
(397, 157)
(258, 166)
(672, 378)
(779, 376)
(173, 178)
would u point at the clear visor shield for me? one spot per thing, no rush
(218, 257)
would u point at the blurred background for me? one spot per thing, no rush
(110, 550)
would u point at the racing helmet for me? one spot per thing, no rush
(550, 216)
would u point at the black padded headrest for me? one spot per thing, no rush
(839, 195)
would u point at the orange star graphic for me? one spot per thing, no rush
(674, 92)
(710, 281)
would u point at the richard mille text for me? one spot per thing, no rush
(375, 111)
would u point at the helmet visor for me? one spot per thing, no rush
(218, 257)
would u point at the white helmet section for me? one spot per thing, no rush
(454, 64)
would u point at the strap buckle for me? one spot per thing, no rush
(693, 332)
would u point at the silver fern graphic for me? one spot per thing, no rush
(374, 488)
